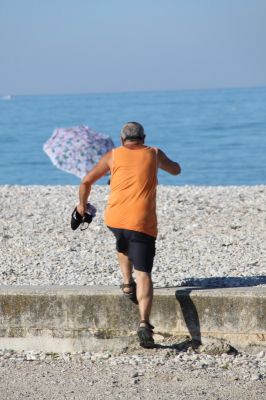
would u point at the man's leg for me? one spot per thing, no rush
(126, 269)
(145, 297)
(144, 294)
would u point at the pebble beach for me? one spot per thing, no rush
(208, 236)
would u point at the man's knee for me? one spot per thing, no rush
(142, 275)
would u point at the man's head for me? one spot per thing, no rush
(132, 132)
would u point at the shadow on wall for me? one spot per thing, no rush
(190, 314)
(188, 308)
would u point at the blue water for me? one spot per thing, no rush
(218, 136)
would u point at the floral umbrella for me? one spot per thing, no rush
(76, 150)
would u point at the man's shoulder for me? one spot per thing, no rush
(107, 157)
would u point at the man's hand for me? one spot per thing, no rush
(168, 165)
(81, 209)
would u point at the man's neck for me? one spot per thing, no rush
(133, 144)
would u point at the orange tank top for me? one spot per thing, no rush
(132, 198)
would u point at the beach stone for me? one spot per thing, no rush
(214, 346)
(261, 354)
(255, 377)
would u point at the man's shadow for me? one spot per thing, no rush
(189, 309)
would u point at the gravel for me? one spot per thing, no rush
(208, 236)
(161, 374)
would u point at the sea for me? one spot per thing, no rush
(217, 136)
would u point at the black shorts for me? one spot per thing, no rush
(139, 247)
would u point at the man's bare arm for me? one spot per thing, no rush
(100, 169)
(168, 165)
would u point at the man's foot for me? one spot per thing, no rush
(145, 334)
(129, 291)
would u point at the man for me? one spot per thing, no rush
(131, 213)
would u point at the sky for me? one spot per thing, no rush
(87, 46)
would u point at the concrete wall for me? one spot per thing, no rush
(60, 318)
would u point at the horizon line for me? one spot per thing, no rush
(136, 91)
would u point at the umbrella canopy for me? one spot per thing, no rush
(76, 150)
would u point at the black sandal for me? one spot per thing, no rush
(132, 294)
(145, 334)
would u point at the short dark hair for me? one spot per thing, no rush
(132, 131)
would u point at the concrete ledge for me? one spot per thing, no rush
(76, 318)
